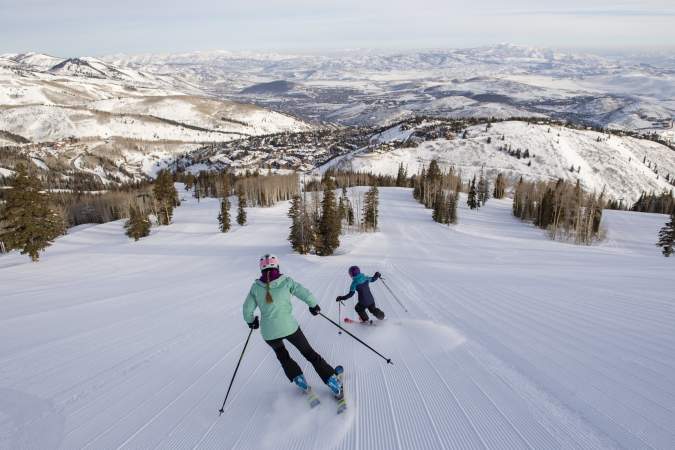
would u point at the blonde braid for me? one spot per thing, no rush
(268, 295)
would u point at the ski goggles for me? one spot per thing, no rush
(269, 262)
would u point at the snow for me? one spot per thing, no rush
(51, 123)
(392, 134)
(40, 164)
(356, 87)
(6, 172)
(614, 163)
(511, 340)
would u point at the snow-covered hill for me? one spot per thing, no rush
(511, 340)
(72, 109)
(619, 164)
(372, 87)
(94, 85)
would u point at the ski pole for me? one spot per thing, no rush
(340, 315)
(393, 295)
(360, 341)
(222, 408)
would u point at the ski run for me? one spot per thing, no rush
(511, 341)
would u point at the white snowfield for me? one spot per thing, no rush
(87, 98)
(614, 163)
(511, 340)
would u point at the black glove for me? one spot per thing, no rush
(255, 324)
(339, 299)
(377, 275)
(315, 310)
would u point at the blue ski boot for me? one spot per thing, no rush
(301, 382)
(335, 386)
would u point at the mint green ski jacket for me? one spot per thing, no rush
(276, 318)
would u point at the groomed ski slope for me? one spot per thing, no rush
(511, 340)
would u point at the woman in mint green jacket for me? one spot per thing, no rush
(271, 294)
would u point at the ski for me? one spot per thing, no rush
(341, 400)
(348, 320)
(312, 398)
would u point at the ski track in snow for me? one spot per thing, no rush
(511, 340)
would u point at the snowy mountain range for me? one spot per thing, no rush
(124, 117)
(373, 87)
(64, 111)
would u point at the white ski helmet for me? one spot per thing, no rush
(269, 262)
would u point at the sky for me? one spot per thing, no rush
(96, 28)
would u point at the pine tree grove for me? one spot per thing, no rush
(241, 211)
(667, 236)
(371, 209)
(652, 203)
(438, 190)
(224, 216)
(138, 225)
(402, 176)
(472, 199)
(29, 223)
(166, 197)
(483, 189)
(329, 227)
(301, 235)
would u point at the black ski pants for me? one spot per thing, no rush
(291, 368)
(374, 310)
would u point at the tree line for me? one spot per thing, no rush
(258, 190)
(564, 209)
(31, 217)
(439, 190)
(652, 203)
(316, 225)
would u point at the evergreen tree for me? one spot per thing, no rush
(371, 209)
(452, 208)
(472, 200)
(224, 216)
(401, 176)
(500, 187)
(434, 172)
(30, 223)
(138, 224)
(241, 212)
(166, 197)
(667, 236)
(328, 236)
(302, 234)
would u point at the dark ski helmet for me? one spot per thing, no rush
(354, 271)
